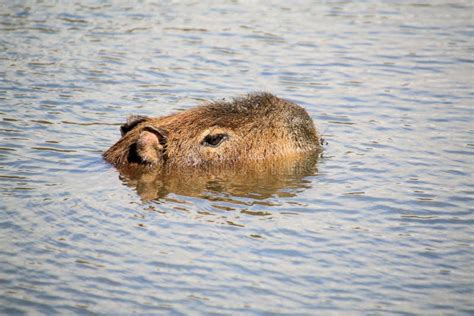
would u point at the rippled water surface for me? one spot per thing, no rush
(383, 222)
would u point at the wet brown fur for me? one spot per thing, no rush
(259, 126)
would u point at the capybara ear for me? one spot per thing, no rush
(159, 132)
(151, 143)
(132, 121)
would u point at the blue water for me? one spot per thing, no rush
(383, 224)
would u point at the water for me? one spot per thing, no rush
(383, 223)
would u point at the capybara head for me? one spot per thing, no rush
(248, 129)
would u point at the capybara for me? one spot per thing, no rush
(249, 129)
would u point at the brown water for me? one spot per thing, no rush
(382, 223)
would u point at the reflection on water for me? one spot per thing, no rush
(258, 181)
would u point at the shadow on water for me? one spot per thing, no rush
(258, 181)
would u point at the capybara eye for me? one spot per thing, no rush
(214, 140)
